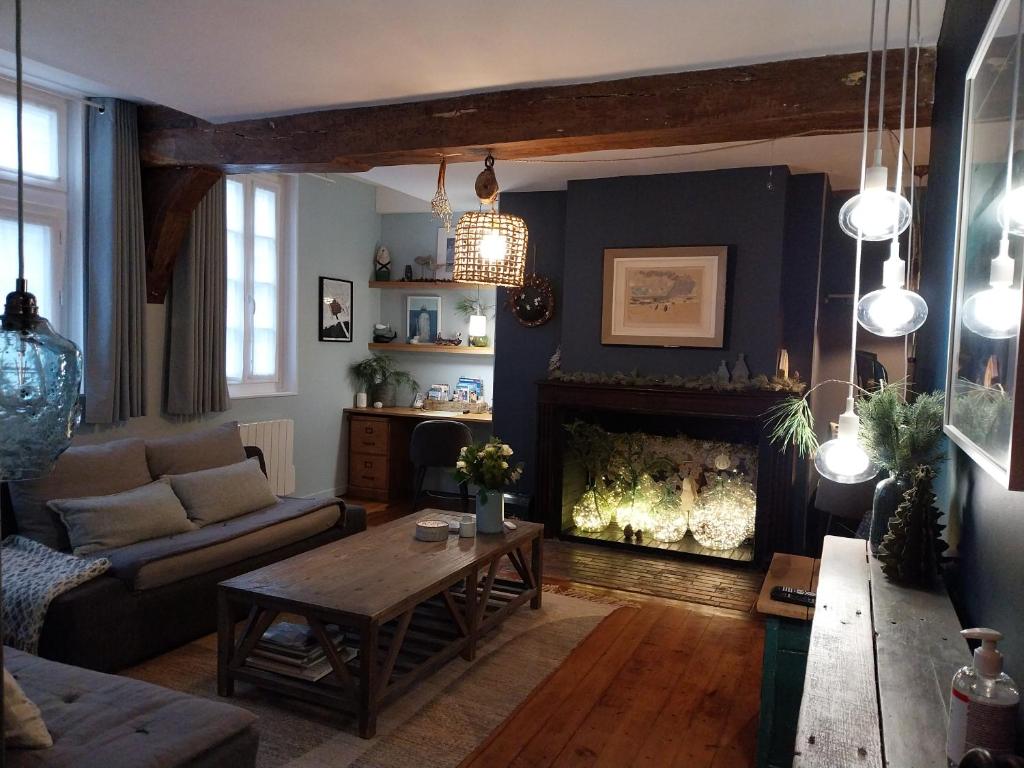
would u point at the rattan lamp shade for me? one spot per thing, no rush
(490, 247)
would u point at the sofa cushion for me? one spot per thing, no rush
(82, 470)
(100, 720)
(98, 523)
(221, 493)
(192, 451)
(23, 723)
(151, 564)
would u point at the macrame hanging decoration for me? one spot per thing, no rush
(440, 205)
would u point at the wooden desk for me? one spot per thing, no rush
(378, 448)
(879, 666)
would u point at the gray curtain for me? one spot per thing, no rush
(115, 267)
(196, 382)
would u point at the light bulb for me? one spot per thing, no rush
(892, 312)
(876, 213)
(843, 459)
(493, 246)
(995, 312)
(1011, 211)
(477, 325)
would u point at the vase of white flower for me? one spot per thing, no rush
(487, 466)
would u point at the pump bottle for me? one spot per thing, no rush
(983, 702)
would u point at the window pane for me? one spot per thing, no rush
(236, 206)
(41, 142)
(39, 267)
(264, 352)
(264, 219)
(264, 264)
(233, 354)
(236, 256)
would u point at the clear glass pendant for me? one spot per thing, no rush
(876, 213)
(892, 310)
(40, 375)
(995, 312)
(843, 459)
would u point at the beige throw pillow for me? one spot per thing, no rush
(215, 495)
(190, 452)
(99, 523)
(23, 724)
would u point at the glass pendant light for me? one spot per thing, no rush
(995, 311)
(892, 310)
(876, 213)
(40, 370)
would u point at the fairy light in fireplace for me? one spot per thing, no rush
(724, 513)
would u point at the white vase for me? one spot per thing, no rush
(490, 514)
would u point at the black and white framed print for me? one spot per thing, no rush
(335, 309)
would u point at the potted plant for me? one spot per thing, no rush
(487, 466)
(379, 376)
(476, 312)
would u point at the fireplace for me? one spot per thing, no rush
(691, 469)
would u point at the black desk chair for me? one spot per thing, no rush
(436, 443)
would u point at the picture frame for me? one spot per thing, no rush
(665, 297)
(423, 316)
(445, 254)
(335, 321)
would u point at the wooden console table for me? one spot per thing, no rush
(408, 606)
(378, 448)
(879, 667)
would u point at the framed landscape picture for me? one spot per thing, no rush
(424, 313)
(664, 297)
(335, 309)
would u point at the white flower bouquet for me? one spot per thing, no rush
(487, 466)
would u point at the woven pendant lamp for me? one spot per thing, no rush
(490, 247)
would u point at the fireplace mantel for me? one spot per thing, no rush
(776, 469)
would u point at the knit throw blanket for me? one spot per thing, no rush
(33, 576)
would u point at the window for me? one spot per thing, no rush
(50, 202)
(259, 305)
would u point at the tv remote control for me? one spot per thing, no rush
(793, 595)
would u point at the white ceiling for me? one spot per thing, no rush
(228, 59)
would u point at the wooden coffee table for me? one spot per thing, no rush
(408, 606)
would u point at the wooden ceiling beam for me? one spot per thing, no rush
(773, 100)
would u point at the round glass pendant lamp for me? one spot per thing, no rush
(877, 213)
(843, 459)
(995, 312)
(892, 310)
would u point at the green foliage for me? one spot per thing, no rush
(467, 306)
(380, 369)
(911, 551)
(897, 435)
(487, 466)
(982, 413)
(791, 422)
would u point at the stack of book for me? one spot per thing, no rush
(291, 649)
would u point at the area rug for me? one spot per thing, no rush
(436, 724)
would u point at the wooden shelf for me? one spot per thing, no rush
(436, 349)
(428, 285)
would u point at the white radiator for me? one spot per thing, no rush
(277, 441)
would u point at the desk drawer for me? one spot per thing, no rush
(368, 471)
(369, 436)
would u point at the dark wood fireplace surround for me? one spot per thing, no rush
(558, 400)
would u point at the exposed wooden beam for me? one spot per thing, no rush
(759, 101)
(169, 196)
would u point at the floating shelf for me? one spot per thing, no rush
(429, 285)
(436, 349)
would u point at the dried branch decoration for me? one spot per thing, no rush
(440, 205)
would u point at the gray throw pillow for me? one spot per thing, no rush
(214, 495)
(82, 470)
(99, 523)
(193, 451)
(23, 724)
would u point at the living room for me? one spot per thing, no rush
(537, 385)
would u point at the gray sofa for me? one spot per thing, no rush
(159, 593)
(99, 721)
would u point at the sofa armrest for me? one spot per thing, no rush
(255, 452)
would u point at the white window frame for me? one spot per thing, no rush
(31, 95)
(285, 381)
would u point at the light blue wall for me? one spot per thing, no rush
(408, 235)
(337, 231)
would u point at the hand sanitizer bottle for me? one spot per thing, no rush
(983, 702)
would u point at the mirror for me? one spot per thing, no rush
(984, 345)
(534, 303)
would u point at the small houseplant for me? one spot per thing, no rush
(378, 375)
(476, 313)
(487, 466)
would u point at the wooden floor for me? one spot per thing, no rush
(655, 686)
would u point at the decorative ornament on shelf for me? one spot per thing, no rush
(911, 552)
(490, 247)
(382, 264)
(440, 206)
(40, 370)
(724, 515)
(722, 374)
(740, 371)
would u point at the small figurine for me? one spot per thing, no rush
(627, 532)
(722, 374)
(740, 371)
(407, 274)
(383, 334)
(639, 536)
(424, 262)
(382, 264)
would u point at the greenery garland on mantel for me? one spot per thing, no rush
(707, 382)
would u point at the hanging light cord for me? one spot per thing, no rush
(1013, 117)
(881, 73)
(912, 231)
(863, 174)
(903, 101)
(21, 169)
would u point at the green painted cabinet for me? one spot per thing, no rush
(782, 686)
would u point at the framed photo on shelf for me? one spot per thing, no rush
(445, 249)
(423, 315)
(665, 297)
(335, 309)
